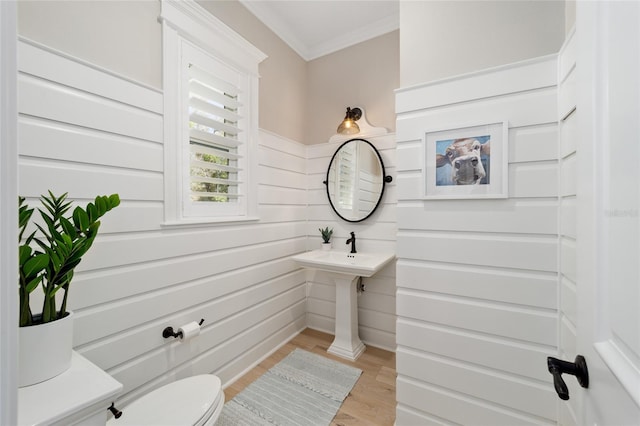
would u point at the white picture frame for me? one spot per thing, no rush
(466, 162)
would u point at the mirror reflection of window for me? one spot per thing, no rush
(347, 172)
(369, 179)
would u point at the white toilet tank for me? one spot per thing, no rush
(194, 401)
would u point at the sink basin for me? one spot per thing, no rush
(358, 264)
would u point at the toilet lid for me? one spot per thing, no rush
(188, 401)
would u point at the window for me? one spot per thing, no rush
(214, 132)
(213, 138)
(210, 90)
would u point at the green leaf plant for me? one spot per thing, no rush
(326, 234)
(49, 255)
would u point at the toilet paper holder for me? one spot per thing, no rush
(169, 332)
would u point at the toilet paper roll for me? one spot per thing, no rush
(189, 330)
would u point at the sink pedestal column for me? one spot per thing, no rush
(347, 343)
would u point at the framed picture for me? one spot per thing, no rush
(467, 162)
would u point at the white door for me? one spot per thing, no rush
(608, 239)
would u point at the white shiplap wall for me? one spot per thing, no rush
(568, 119)
(86, 131)
(376, 305)
(477, 279)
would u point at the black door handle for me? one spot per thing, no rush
(577, 368)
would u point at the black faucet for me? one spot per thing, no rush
(352, 240)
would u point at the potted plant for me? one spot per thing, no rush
(326, 237)
(47, 259)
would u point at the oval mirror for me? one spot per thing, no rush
(355, 180)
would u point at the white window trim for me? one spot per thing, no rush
(186, 20)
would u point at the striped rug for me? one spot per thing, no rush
(302, 389)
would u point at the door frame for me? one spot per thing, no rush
(8, 214)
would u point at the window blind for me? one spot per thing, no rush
(214, 138)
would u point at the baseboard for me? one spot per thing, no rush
(262, 358)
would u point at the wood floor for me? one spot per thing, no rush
(372, 400)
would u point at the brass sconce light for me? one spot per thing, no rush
(349, 125)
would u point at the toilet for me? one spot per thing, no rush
(194, 401)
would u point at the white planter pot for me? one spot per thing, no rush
(44, 350)
(326, 246)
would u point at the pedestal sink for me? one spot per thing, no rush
(345, 269)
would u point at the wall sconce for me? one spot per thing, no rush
(349, 125)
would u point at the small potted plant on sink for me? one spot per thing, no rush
(47, 259)
(326, 237)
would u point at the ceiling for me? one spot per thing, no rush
(314, 28)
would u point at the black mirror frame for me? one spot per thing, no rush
(386, 179)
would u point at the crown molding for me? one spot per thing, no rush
(276, 24)
(371, 30)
